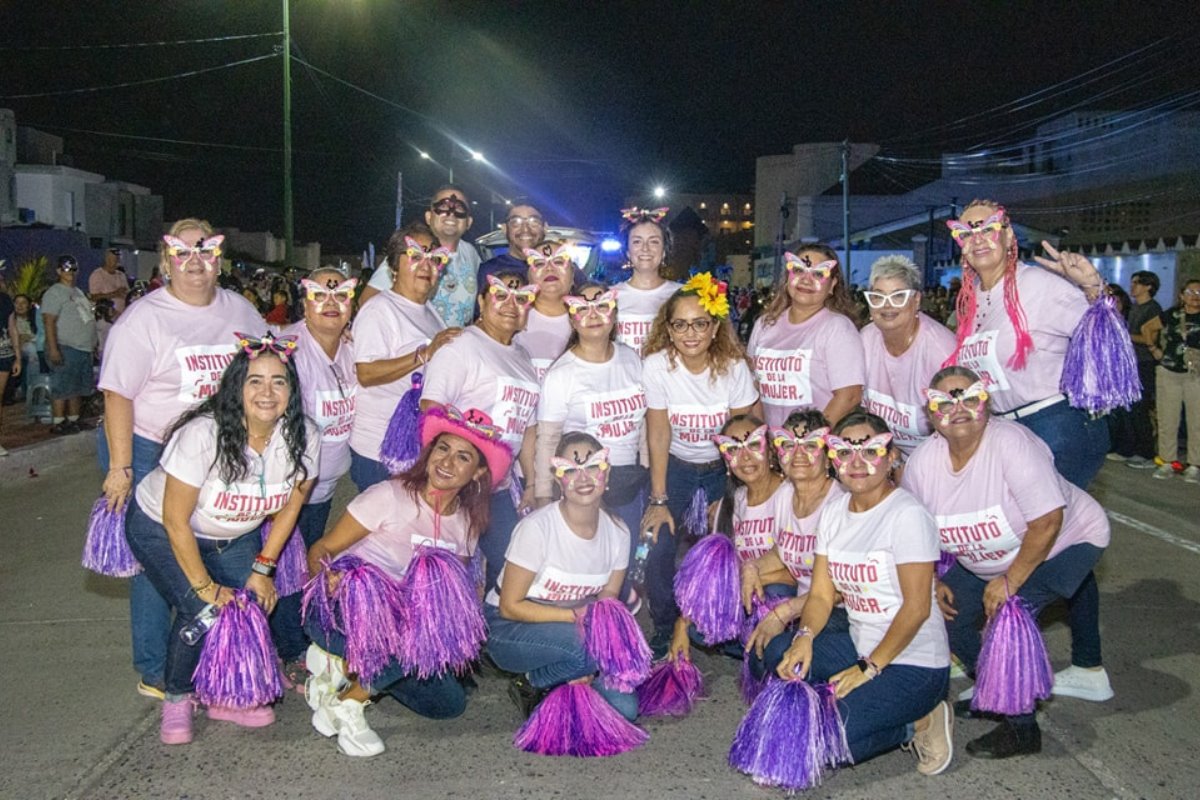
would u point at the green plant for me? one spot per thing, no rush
(31, 278)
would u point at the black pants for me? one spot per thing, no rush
(1132, 430)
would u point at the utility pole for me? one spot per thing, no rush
(399, 197)
(288, 213)
(846, 206)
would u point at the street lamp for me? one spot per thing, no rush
(659, 192)
(475, 156)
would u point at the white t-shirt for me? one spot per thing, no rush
(636, 310)
(802, 365)
(755, 527)
(863, 550)
(226, 510)
(606, 400)
(328, 388)
(400, 523)
(797, 536)
(167, 356)
(894, 383)
(568, 570)
(544, 338)
(454, 298)
(387, 327)
(476, 371)
(983, 511)
(696, 406)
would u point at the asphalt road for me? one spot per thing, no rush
(74, 728)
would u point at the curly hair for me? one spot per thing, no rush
(475, 498)
(724, 523)
(839, 300)
(724, 350)
(227, 408)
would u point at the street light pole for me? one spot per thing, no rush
(288, 211)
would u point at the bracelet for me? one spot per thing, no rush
(803, 630)
(869, 667)
(127, 470)
(204, 587)
(266, 561)
(657, 500)
(420, 354)
(263, 569)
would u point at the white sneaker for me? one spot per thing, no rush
(3, 452)
(1083, 683)
(1115, 456)
(346, 720)
(1163, 471)
(1192, 474)
(326, 674)
(967, 693)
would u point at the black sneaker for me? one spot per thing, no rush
(525, 695)
(660, 643)
(1007, 740)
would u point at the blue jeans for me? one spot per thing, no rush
(437, 697)
(502, 518)
(550, 654)
(626, 499)
(1078, 442)
(286, 630)
(366, 472)
(879, 714)
(683, 479)
(149, 614)
(839, 623)
(227, 562)
(1068, 575)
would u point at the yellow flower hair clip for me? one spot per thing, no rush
(712, 294)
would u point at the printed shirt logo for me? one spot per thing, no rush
(902, 418)
(865, 581)
(614, 416)
(514, 406)
(334, 414)
(784, 376)
(245, 501)
(200, 370)
(796, 550)
(977, 537)
(754, 536)
(418, 540)
(553, 585)
(980, 353)
(696, 424)
(632, 329)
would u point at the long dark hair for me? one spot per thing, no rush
(838, 301)
(227, 408)
(724, 522)
(573, 339)
(31, 315)
(475, 498)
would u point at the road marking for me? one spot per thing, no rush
(1158, 533)
(1099, 770)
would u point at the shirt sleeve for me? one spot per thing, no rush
(53, 302)
(128, 356)
(312, 450)
(527, 548)
(189, 455)
(556, 388)
(381, 278)
(654, 380)
(375, 339)
(1029, 473)
(741, 389)
(914, 534)
(446, 374)
(1062, 304)
(619, 555)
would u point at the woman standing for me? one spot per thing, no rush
(877, 547)
(696, 378)
(441, 501)
(1017, 527)
(548, 325)
(165, 354)
(561, 558)
(903, 348)
(1177, 380)
(395, 336)
(10, 348)
(805, 348)
(647, 247)
(244, 454)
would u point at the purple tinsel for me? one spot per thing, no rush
(708, 589)
(317, 602)
(671, 690)
(445, 627)
(833, 730)
(945, 561)
(1013, 671)
(291, 573)
(105, 548)
(402, 442)
(614, 641)
(1100, 369)
(575, 720)
(748, 685)
(370, 614)
(238, 666)
(695, 518)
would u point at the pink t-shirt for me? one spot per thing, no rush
(387, 327)
(476, 371)
(797, 537)
(544, 338)
(894, 383)
(1053, 307)
(101, 281)
(167, 356)
(984, 510)
(636, 310)
(802, 365)
(226, 510)
(863, 549)
(329, 388)
(399, 524)
(755, 527)
(568, 570)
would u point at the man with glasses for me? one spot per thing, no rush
(70, 344)
(525, 228)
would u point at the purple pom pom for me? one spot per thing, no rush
(695, 518)
(748, 685)
(445, 628)
(614, 641)
(370, 614)
(708, 589)
(238, 666)
(575, 720)
(291, 573)
(1100, 368)
(105, 548)
(945, 561)
(833, 730)
(1013, 671)
(402, 442)
(671, 690)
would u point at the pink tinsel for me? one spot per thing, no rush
(613, 639)
(708, 589)
(105, 548)
(291, 573)
(445, 629)
(369, 612)
(402, 442)
(671, 690)
(1013, 671)
(238, 666)
(575, 720)
(1100, 371)
(945, 562)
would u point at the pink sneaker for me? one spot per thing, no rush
(256, 717)
(176, 727)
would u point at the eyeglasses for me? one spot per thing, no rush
(1192, 292)
(872, 451)
(450, 206)
(73, 266)
(337, 376)
(500, 293)
(569, 472)
(558, 258)
(697, 325)
(896, 299)
(531, 221)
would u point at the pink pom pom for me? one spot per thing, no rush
(445, 628)
(614, 641)
(708, 589)
(291, 573)
(370, 614)
(238, 666)
(671, 690)
(575, 720)
(105, 548)
(1013, 671)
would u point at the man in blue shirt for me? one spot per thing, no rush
(524, 228)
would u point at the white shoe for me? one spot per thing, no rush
(956, 668)
(1192, 474)
(1115, 456)
(1083, 683)
(346, 720)
(326, 674)
(3, 452)
(967, 693)
(1163, 472)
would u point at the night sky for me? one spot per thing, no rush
(578, 104)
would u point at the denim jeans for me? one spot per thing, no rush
(366, 472)
(1079, 442)
(626, 499)
(502, 518)
(286, 630)
(550, 654)
(879, 714)
(437, 697)
(227, 561)
(839, 623)
(683, 479)
(149, 614)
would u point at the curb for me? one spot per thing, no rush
(45, 455)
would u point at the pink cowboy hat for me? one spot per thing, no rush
(476, 427)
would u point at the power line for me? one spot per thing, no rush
(127, 84)
(367, 92)
(128, 45)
